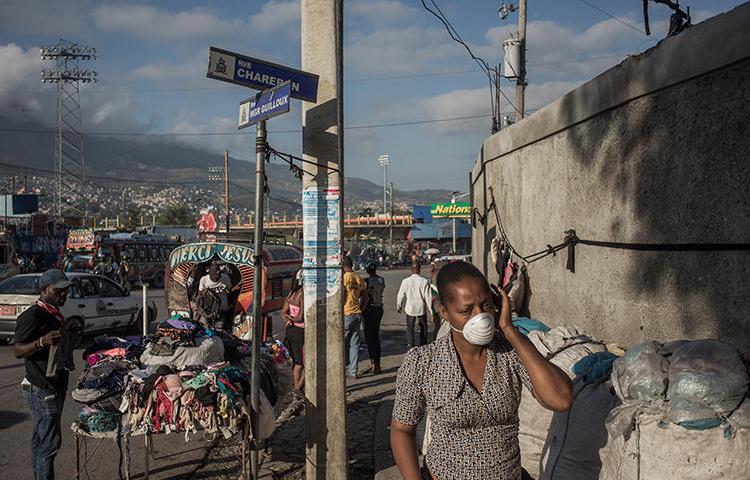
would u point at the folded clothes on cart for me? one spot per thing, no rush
(193, 388)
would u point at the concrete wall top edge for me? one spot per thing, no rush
(707, 46)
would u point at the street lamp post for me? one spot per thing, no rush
(385, 160)
(455, 195)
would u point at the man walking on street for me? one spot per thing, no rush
(373, 315)
(38, 328)
(355, 302)
(415, 299)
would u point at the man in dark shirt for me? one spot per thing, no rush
(37, 329)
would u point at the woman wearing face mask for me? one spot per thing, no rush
(470, 383)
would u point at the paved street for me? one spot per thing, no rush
(173, 458)
(369, 399)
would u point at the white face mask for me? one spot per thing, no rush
(479, 330)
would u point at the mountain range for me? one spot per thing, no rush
(30, 146)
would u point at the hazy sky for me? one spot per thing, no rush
(400, 66)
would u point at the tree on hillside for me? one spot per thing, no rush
(132, 220)
(175, 215)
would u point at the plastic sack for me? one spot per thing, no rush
(595, 367)
(571, 450)
(533, 424)
(565, 346)
(661, 451)
(707, 379)
(526, 325)
(741, 417)
(641, 374)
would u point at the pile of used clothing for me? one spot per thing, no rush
(183, 377)
(684, 413)
(210, 398)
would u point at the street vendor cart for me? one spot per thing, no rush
(188, 375)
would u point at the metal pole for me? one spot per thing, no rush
(385, 188)
(521, 82)
(390, 225)
(226, 188)
(260, 165)
(453, 200)
(145, 310)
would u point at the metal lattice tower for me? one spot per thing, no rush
(69, 159)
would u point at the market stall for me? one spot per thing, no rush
(189, 374)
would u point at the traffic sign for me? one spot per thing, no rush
(265, 105)
(258, 74)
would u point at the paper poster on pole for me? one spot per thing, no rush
(321, 227)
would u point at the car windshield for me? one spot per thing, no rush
(21, 285)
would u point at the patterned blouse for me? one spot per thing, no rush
(473, 435)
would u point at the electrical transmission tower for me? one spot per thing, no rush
(69, 160)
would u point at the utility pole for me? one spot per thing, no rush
(521, 81)
(322, 194)
(226, 189)
(390, 221)
(455, 196)
(385, 160)
(453, 200)
(260, 165)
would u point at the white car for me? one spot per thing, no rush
(102, 305)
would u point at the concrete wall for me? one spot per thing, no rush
(655, 150)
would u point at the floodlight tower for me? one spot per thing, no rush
(69, 160)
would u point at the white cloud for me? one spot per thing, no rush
(557, 51)
(277, 15)
(400, 50)
(166, 71)
(147, 22)
(19, 79)
(151, 23)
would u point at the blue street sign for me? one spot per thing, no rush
(265, 104)
(258, 74)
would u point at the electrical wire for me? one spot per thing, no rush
(633, 27)
(483, 65)
(207, 134)
(99, 91)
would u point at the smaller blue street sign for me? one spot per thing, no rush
(265, 105)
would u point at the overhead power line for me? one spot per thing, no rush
(198, 134)
(617, 19)
(99, 91)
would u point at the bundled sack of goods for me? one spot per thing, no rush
(571, 449)
(180, 342)
(683, 415)
(564, 347)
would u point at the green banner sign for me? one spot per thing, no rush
(451, 210)
(202, 252)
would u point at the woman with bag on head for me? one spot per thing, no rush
(470, 384)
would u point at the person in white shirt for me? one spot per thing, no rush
(415, 300)
(220, 284)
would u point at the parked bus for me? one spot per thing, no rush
(146, 255)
